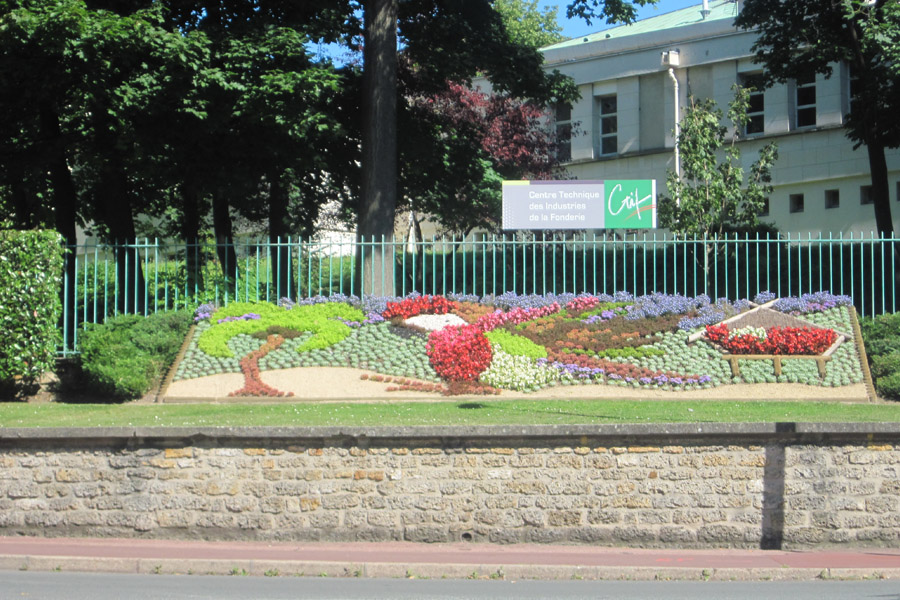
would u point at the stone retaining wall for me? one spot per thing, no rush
(743, 486)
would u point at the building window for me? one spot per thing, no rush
(609, 125)
(832, 198)
(757, 106)
(563, 133)
(764, 209)
(865, 194)
(796, 203)
(855, 86)
(806, 101)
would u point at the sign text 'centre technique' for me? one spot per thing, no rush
(610, 204)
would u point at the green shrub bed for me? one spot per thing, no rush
(123, 358)
(882, 340)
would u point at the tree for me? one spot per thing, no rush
(613, 11)
(74, 80)
(802, 37)
(379, 145)
(711, 197)
(461, 144)
(445, 41)
(527, 25)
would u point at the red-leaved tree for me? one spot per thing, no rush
(461, 143)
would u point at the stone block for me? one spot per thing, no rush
(179, 452)
(565, 461)
(882, 504)
(564, 518)
(308, 504)
(23, 490)
(339, 501)
(427, 534)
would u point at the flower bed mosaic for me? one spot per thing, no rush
(526, 343)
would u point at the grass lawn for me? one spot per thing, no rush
(490, 412)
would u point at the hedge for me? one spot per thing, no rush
(31, 264)
(123, 358)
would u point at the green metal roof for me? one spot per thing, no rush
(719, 9)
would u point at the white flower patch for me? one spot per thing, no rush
(758, 332)
(435, 322)
(518, 373)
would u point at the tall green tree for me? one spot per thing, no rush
(79, 85)
(256, 133)
(713, 196)
(527, 24)
(802, 37)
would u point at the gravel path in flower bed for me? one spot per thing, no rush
(337, 384)
(765, 318)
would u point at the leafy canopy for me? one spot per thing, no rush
(527, 25)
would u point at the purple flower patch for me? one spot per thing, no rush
(246, 317)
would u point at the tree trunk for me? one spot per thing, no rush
(21, 199)
(881, 197)
(884, 222)
(280, 251)
(224, 231)
(65, 199)
(379, 147)
(114, 203)
(190, 232)
(120, 222)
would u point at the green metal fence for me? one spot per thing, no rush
(151, 276)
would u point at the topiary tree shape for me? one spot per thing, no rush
(326, 323)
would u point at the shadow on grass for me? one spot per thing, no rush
(533, 410)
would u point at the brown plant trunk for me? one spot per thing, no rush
(379, 147)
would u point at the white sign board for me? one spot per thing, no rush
(574, 204)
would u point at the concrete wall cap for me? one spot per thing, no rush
(102, 435)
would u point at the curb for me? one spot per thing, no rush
(289, 568)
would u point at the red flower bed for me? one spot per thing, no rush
(253, 383)
(778, 340)
(459, 353)
(420, 305)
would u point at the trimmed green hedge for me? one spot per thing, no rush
(882, 338)
(31, 264)
(125, 357)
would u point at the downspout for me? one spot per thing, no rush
(677, 130)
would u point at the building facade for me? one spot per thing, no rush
(636, 80)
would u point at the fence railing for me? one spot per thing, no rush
(152, 276)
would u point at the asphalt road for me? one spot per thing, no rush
(102, 586)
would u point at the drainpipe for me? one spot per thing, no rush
(677, 130)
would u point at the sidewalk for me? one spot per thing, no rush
(404, 559)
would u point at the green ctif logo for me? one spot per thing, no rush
(630, 203)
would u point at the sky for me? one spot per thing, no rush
(571, 27)
(577, 27)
